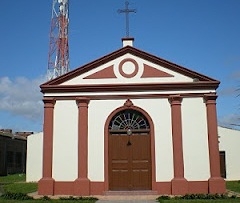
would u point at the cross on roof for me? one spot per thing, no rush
(127, 11)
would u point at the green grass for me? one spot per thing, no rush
(12, 178)
(45, 201)
(16, 184)
(233, 185)
(201, 201)
(20, 187)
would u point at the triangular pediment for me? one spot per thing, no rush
(102, 74)
(148, 72)
(131, 66)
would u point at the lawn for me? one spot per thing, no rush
(20, 187)
(201, 201)
(16, 184)
(44, 201)
(233, 185)
(12, 178)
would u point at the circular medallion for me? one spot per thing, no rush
(128, 68)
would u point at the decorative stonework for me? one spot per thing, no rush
(49, 102)
(151, 72)
(102, 74)
(179, 183)
(175, 99)
(128, 103)
(210, 98)
(124, 65)
(46, 184)
(82, 101)
(82, 183)
(216, 182)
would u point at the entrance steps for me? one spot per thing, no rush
(129, 193)
(141, 196)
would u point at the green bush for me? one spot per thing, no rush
(45, 198)
(164, 197)
(204, 196)
(79, 198)
(197, 197)
(16, 196)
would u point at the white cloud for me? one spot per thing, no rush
(230, 121)
(22, 97)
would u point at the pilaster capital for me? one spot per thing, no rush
(82, 101)
(175, 99)
(210, 98)
(49, 102)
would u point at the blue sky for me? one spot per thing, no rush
(202, 35)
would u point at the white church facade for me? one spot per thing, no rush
(229, 142)
(130, 121)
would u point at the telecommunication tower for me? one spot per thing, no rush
(58, 56)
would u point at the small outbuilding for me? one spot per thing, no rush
(13, 149)
(229, 145)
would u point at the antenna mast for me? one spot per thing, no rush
(58, 56)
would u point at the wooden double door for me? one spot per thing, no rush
(130, 161)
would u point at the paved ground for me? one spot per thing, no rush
(127, 198)
(113, 198)
(230, 193)
(126, 201)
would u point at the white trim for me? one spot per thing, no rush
(128, 93)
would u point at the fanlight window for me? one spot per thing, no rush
(129, 119)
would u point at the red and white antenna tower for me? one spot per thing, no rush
(58, 56)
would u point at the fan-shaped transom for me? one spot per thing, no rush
(129, 119)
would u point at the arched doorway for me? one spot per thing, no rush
(129, 151)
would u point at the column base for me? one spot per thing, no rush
(216, 185)
(46, 186)
(179, 186)
(82, 187)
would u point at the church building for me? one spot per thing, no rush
(130, 121)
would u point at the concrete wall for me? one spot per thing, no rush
(229, 141)
(34, 157)
(99, 110)
(65, 145)
(195, 140)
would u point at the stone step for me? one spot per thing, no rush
(128, 193)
